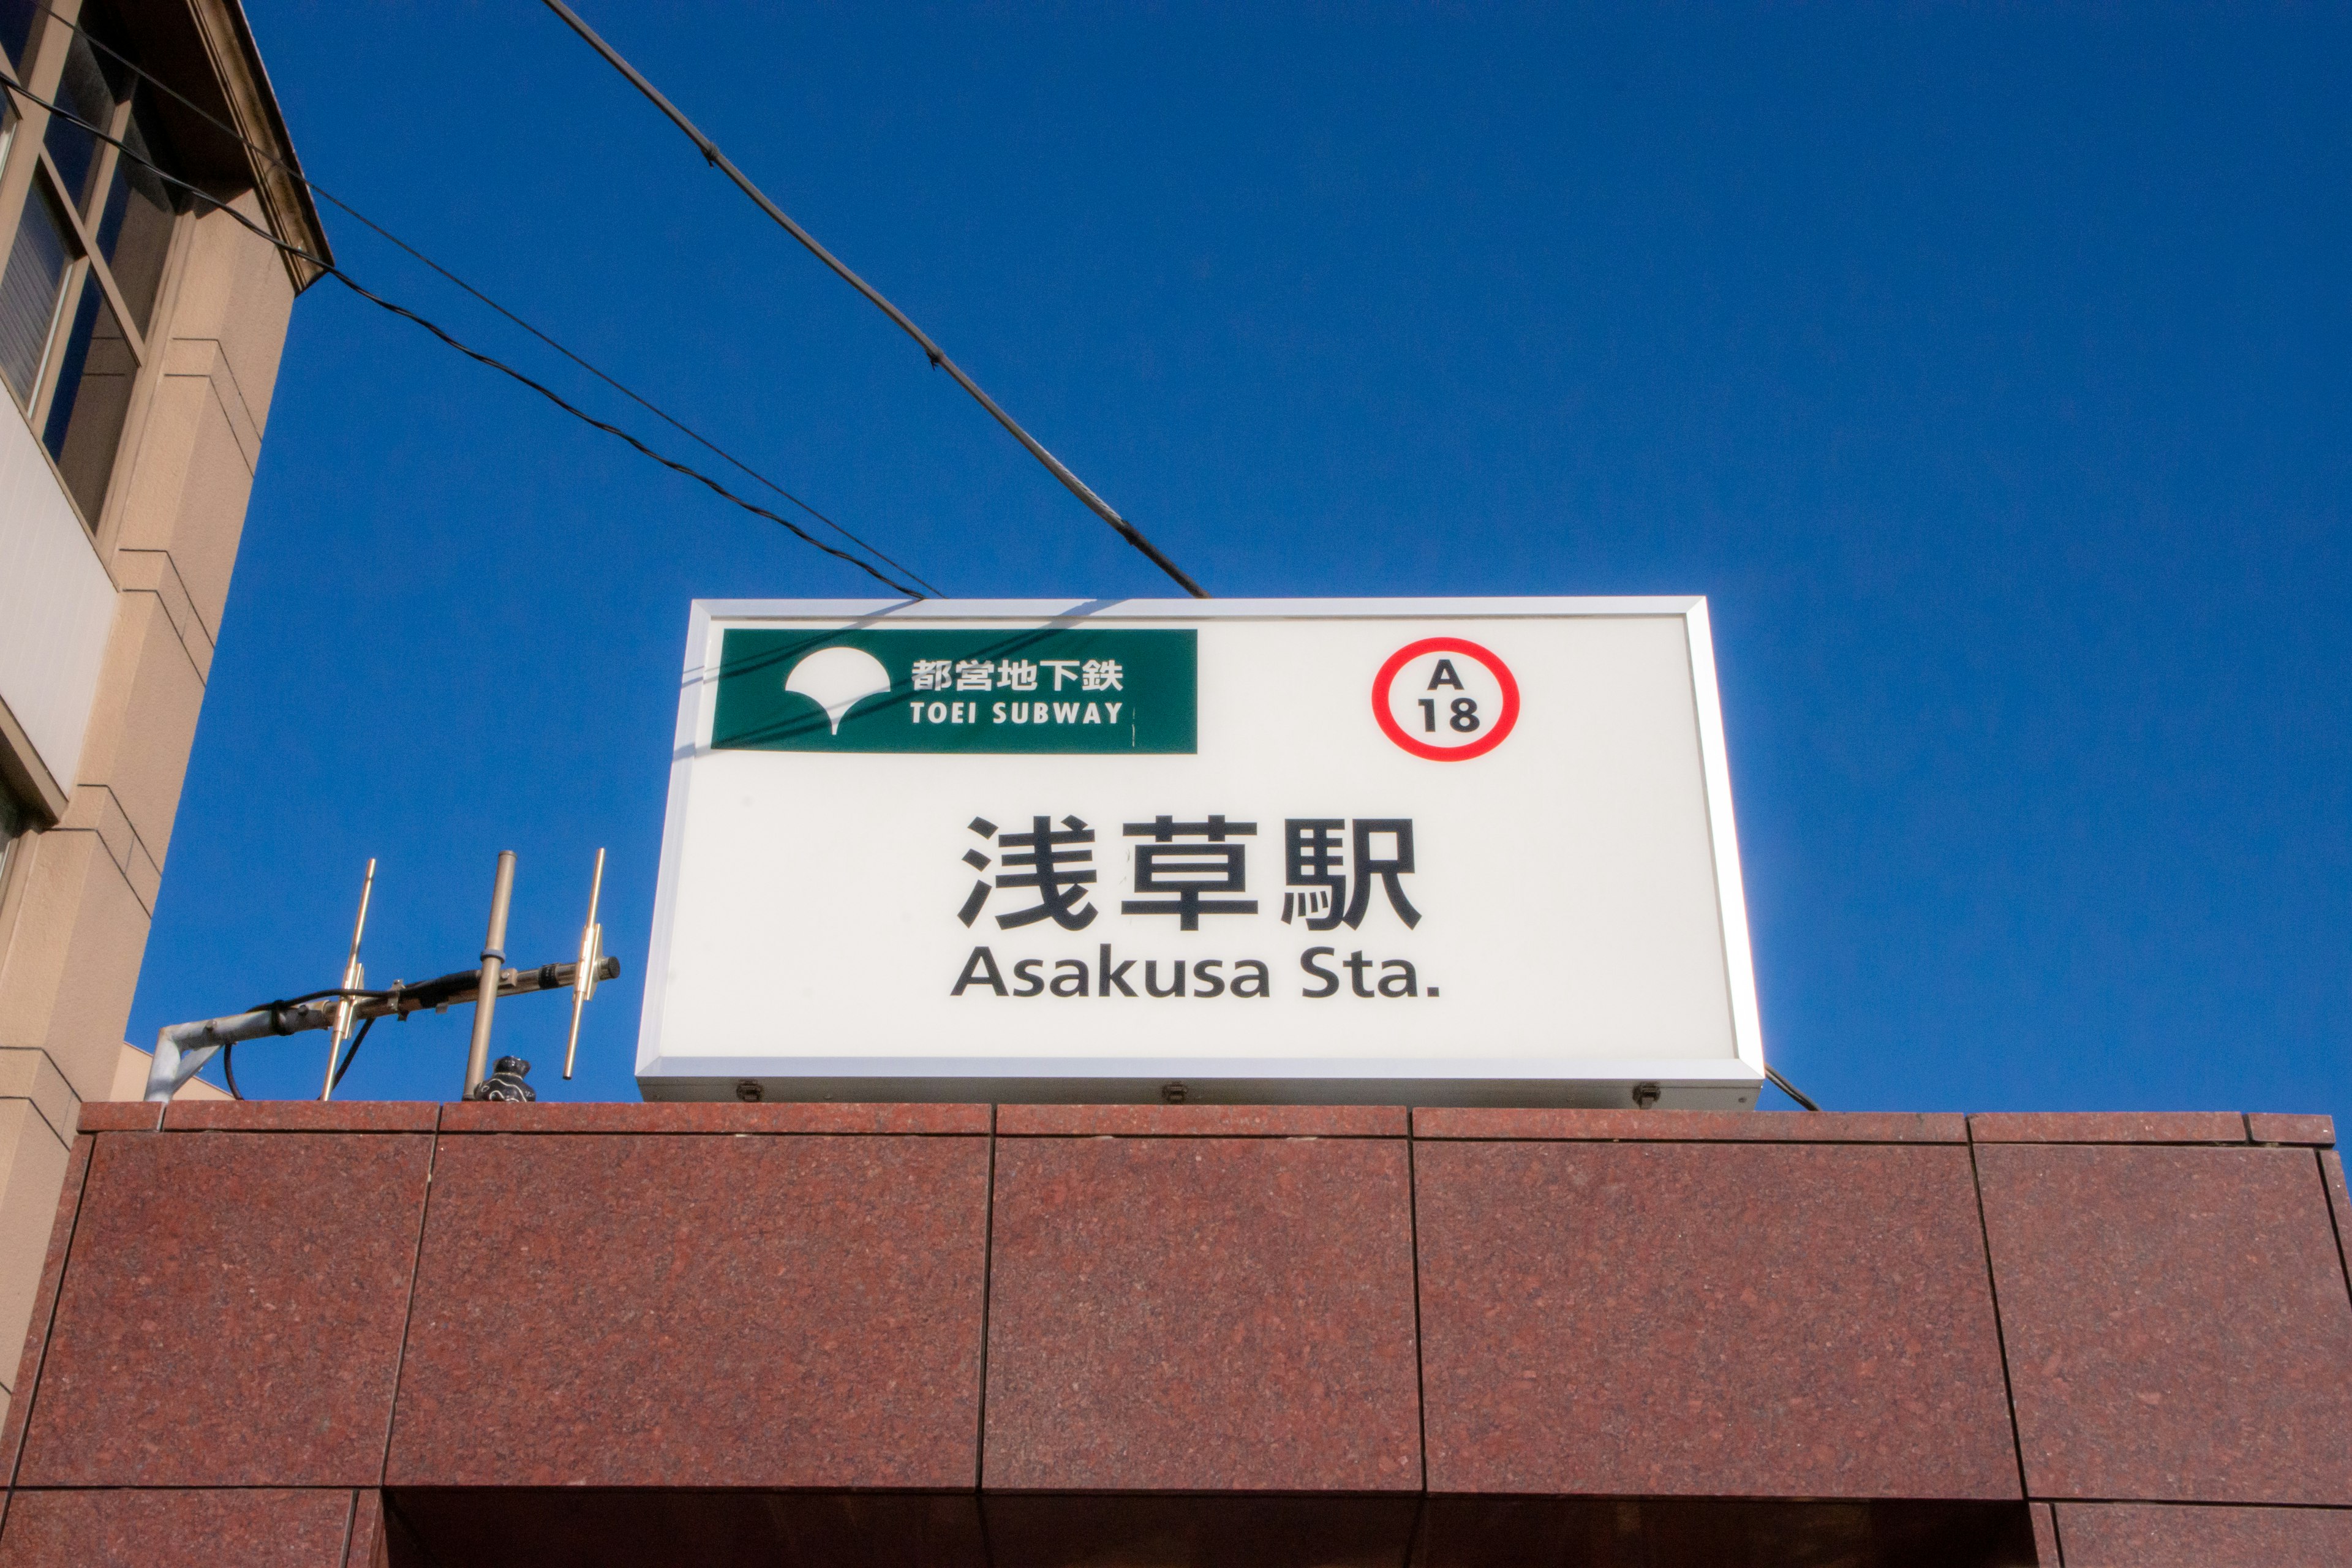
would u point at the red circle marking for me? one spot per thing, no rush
(1478, 748)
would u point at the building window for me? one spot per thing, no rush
(30, 290)
(12, 823)
(16, 29)
(86, 266)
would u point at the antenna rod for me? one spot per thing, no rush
(354, 978)
(592, 948)
(494, 955)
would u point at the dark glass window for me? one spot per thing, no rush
(17, 27)
(14, 820)
(91, 89)
(95, 370)
(135, 231)
(36, 277)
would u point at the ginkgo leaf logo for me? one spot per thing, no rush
(837, 679)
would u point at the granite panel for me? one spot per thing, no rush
(2339, 1204)
(118, 1116)
(2045, 1538)
(631, 1310)
(44, 1306)
(709, 1116)
(157, 1529)
(302, 1116)
(1717, 1533)
(368, 1546)
(1729, 1321)
(232, 1311)
(2176, 1322)
(2265, 1127)
(1690, 1126)
(2154, 1535)
(1100, 1530)
(1201, 1314)
(587, 1528)
(1202, 1120)
(2107, 1127)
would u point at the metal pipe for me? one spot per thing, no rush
(494, 956)
(355, 979)
(182, 1048)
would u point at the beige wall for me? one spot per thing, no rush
(78, 897)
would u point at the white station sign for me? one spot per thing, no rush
(1466, 851)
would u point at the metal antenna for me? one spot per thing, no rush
(355, 979)
(494, 955)
(584, 977)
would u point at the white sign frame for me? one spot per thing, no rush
(1713, 1082)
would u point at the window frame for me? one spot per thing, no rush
(27, 177)
(16, 824)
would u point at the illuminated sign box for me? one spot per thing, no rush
(1447, 851)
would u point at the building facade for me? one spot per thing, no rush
(140, 334)
(1198, 1336)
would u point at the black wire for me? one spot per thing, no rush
(228, 1051)
(1791, 1089)
(586, 418)
(931, 350)
(688, 432)
(295, 171)
(314, 995)
(331, 270)
(350, 1055)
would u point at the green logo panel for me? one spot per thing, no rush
(1038, 689)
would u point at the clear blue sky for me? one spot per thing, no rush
(1990, 371)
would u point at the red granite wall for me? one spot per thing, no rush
(373, 1334)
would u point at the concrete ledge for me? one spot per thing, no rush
(1202, 1120)
(712, 1117)
(2108, 1126)
(120, 1116)
(2163, 1535)
(2267, 1127)
(260, 1529)
(1692, 1126)
(302, 1116)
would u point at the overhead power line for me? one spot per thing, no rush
(294, 170)
(330, 270)
(687, 430)
(720, 161)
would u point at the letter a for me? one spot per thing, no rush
(1443, 676)
(980, 969)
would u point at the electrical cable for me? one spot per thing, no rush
(1791, 1089)
(940, 361)
(294, 170)
(330, 270)
(337, 1082)
(228, 1051)
(355, 995)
